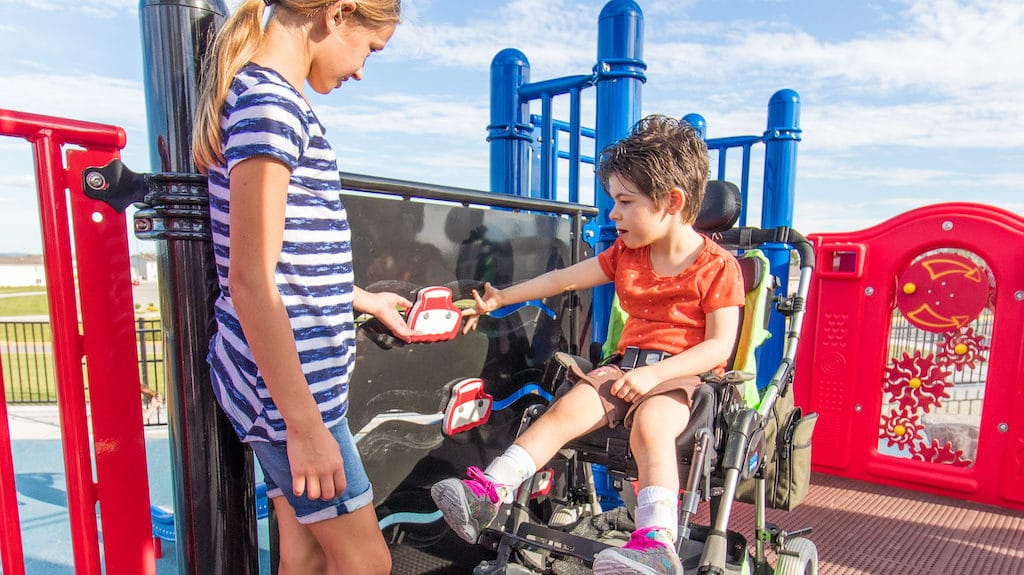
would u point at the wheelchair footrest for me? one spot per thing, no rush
(554, 541)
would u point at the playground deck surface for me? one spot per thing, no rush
(862, 528)
(859, 528)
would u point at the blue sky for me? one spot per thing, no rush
(904, 103)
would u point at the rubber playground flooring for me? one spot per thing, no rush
(858, 528)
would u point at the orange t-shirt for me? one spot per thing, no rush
(669, 313)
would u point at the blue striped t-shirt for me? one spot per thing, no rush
(266, 116)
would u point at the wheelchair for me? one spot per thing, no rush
(722, 452)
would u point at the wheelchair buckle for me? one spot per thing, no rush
(634, 357)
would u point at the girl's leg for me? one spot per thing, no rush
(300, 552)
(353, 543)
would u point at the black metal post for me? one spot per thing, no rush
(212, 472)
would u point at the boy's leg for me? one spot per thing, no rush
(657, 423)
(576, 413)
(469, 505)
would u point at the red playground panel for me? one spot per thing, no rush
(915, 359)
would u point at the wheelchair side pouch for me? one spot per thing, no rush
(788, 485)
(788, 455)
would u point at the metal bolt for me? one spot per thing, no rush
(1019, 296)
(947, 225)
(96, 181)
(869, 291)
(143, 225)
(1004, 427)
(857, 408)
(97, 217)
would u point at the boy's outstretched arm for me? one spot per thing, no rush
(583, 275)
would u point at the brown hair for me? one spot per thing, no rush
(237, 42)
(660, 153)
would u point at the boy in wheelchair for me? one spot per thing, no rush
(682, 293)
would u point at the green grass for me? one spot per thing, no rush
(34, 304)
(22, 289)
(31, 377)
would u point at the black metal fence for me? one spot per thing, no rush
(26, 354)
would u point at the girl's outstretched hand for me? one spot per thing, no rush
(384, 306)
(490, 301)
(318, 469)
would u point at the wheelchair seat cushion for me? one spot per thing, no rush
(618, 410)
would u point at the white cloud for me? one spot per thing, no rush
(90, 98)
(556, 35)
(425, 117)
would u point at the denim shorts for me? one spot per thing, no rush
(278, 477)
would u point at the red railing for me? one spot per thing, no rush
(914, 361)
(106, 342)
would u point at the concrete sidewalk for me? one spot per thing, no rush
(43, 422)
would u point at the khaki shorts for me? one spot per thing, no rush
(616, 409)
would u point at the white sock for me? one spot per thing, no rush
(510, 470)
(657, 507)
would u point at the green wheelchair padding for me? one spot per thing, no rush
(753, 331)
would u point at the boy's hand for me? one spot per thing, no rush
(634, 384)
(490, 301)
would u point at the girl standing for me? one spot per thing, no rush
(283, 354)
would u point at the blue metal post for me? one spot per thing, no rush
(510, 132)
(620, 76)
(781, 139)
(698, 123)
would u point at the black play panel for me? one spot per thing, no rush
(399, 390)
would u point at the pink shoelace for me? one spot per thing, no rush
(643, 539)
(480, 485)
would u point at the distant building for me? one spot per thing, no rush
(143, 267)
(17, 270)
(22, 270)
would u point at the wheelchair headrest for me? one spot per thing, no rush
(720, 209)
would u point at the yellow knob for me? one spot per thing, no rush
(915, 382)
(960, 348)
(909, 288)
(899, 430)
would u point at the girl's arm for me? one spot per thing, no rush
(259, 194)
(581, 275)
(719, 339)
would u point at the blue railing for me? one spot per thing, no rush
(544, 184)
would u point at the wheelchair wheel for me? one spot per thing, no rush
(799, 558)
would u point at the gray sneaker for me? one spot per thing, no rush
(646, 553)
(468, 505)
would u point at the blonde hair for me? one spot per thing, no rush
(237, 42)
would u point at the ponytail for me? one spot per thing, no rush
(236, 44)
